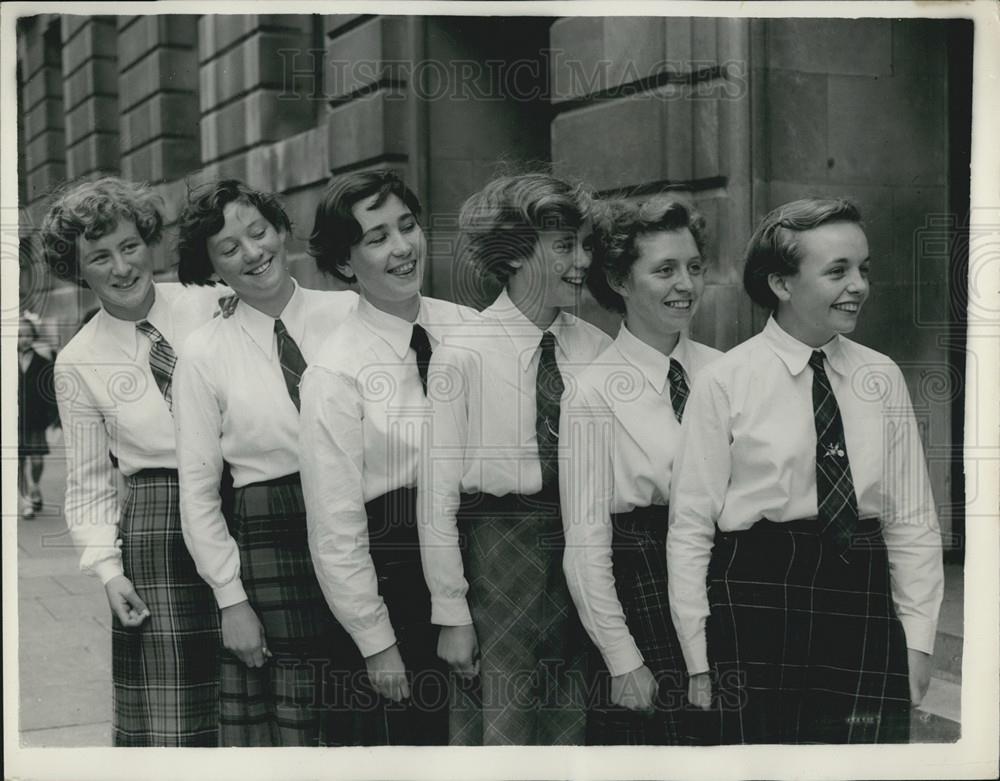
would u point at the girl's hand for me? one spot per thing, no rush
(700, 691)
(459, 647)
(387, 674)
(635, 690)
(125, 602)
(920, 675)
(243, 634)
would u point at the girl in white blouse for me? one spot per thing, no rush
(114, 387)
(364, 419)
(801, 492)
(499, 594)
(237, 401)
(622, 428)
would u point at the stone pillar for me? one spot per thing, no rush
(254, 89)
(44, 144)
(158, 96)
(90, 74)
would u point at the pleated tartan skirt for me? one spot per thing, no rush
(638, 557)
(302, 695)
(532, 686)
(165, 672)
(804, 647)
(394, 546)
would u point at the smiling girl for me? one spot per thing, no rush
(622, 428)
(493, 472)
(801, 491)
(114, 386)
(364, 418)
(237, 402)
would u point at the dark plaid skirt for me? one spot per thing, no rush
(395, 550)
(532, 685)
(804, 647)
(165, 672)
(639, 565)
(302, 695)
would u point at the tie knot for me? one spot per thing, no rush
(279, 328)
(146, 327)
(675, 371)
(548, 342)
(816, 361)
(418, 338)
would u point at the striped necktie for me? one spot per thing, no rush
(548, 393)
(162, 360)
(678, 388)
(421, 345)
(291, 360)
(837, 505)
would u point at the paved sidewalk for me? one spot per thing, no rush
(65, 630)
(65, 639)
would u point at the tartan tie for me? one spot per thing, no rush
(837, 506)
(291, 360)
(678, 388)
(548, 393)
(162, 360)
(422, 347)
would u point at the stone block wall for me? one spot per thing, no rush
(648, 105)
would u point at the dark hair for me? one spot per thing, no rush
(335, 230)
(92, 209)
(774, 246)
(203, 217)
(617, 227)
(501, 222)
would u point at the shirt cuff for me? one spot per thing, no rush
(696, 656)
(374, 639)
(106, 569)
(230, 594)
(623, 657)
(920, 633)
(450, 611)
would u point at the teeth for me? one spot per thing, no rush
(679, 304)
(573, 280)
(847, 307)
(260, 269)
(406, 268)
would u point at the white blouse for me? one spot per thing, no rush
(621, 436)
(483, 433)
(110, 403)
(749, 452)
(231, 405)
(363, 427)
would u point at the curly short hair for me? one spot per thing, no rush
(501, 222)
(92, 209)
(617, 227)
(204, 216)
(335, 230)
(774, 248)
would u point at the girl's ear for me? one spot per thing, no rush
(515, 264)
(344, 267)
(779, 286)
(619, 285)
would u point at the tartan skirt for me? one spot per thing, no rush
(164, 672)
(395, 550)
(639, 565)
(804, 647)
(302, 694)
(531, 688)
